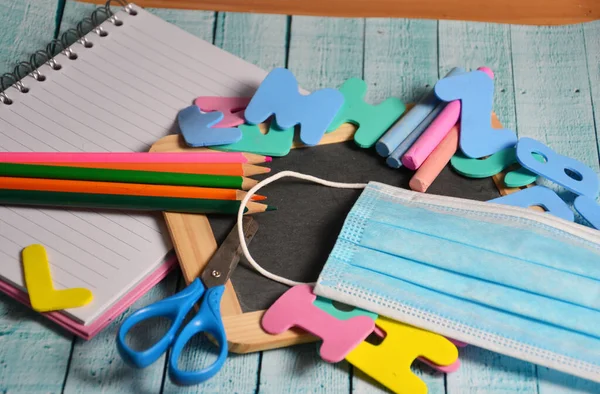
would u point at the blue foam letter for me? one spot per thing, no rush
(196, 128)
(567, 172)
(475, 90)
(538, 195)
(278, 95)
(589, 209)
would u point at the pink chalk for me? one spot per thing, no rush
(295, 308)
(432, 136)
(123, 157)
(436, 162)
(231, 107)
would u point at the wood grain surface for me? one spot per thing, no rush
(547, 87)
(533, 12)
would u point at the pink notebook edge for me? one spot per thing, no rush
(89, 331)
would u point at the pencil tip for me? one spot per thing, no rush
(259, 198)
(271, 208)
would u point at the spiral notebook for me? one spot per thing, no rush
(117, 88)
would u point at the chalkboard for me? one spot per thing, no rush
(295, 240)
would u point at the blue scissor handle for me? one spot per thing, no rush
(207, 320)
(175, 308)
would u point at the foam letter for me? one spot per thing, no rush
(372, 120)
(231, 107)
(475, 90)
(275, 143)
(490, 166)
(197, 130)
(348, 311)
(589, 209)
(295, 308)
(538, 195)
(567, 172)
(389, 362)
(278, 95)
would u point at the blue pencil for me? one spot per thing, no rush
(409, 122)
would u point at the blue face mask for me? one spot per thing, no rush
(508, 279)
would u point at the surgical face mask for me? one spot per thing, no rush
(508, 279)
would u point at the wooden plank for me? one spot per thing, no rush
(28, 341)
(591, 34)
(471, 45)
(245, 36)
(483, 372)
(258, 39)
(552, 92)
(27, 25)
(553, 105)
(97, 363)
(389, 44)
(400, 58)
(325, 52)
(554, 382)
(536, 12)
(300, 369)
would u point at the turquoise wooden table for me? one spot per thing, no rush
(547, 87)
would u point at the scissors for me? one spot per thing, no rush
(207, 320)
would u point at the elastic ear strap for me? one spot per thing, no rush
(264, 183)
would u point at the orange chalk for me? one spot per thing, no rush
(436, 162)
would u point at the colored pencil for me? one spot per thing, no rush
(124, 176)
(129, 189)
(185, 168)
(119, 202)
(132, 157)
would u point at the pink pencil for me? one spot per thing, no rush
(436, 162)
(132, 157)
(432, 136)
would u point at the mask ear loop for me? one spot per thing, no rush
(264, 183)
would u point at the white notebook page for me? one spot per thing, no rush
(123, 94)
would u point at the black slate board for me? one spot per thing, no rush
(295, 240)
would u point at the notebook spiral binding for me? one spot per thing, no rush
(60, 45)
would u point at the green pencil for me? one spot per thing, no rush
(126, 202)
(124, 176)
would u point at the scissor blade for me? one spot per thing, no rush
(221, 265)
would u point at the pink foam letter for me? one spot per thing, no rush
(231, 107)
(295, 308)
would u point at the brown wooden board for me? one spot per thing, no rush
(295, 240)
(532, 12)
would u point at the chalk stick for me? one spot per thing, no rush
(436, 162)
(413, 118)
(394, 159)
(432, 136)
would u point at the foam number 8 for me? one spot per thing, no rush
(569, 173)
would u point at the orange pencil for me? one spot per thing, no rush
(232, 169)
(131, 189)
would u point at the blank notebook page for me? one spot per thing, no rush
(122, 94)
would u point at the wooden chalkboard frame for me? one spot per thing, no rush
(194, 243)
